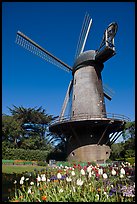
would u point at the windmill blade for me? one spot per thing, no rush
(33, 47)
(66, 99)
(88, 29)
(83, 35)
(108, 93)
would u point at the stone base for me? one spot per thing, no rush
(88, 153)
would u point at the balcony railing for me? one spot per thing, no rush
(79, 117)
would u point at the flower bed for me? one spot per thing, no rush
(19, 162)
(77, 184)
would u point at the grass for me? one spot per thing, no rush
(10, 169)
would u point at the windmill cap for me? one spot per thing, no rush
(84, 58)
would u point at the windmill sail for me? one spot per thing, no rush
(33, 47)
(108, 93)
(66, 99)
(83, 35)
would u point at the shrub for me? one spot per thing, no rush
(41, 163)
(131, 160)
(21, 154)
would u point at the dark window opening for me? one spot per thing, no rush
(73, 154)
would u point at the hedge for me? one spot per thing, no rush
(22, 154)
(131, 160)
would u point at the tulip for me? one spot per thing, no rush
(89, 169)
(59, 176)
(121, 175)
(113, 172)
(122, 171)
(61, 190)
(22, 178)
(97, 196)
(21, 182)
(68, 179)
(43, 178)
(105, 176)
(89, 174)
(79, 182)
(29, 191)
(82, 172)
(38, 179)
(100, 171)
(73, 173)
(31, 183)
(74, 190)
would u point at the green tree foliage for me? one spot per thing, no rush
(129, 130)
(125, 149)
(11, 130)
(26, 127)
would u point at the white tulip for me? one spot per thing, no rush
(89, 169)
(113, 172)
(82, 172)
(29, 191)
(74, 190)
(121, 175)
(38, 178)
(31, 183)
(68, 179)
(15, 182)
(105, 193)
(97, 196)
(73, 173)
(26, 179)
(59, 176)
(105, 176)
(122, 171)
(89, 174)
(61, 190)
(22, 178)
(21, 182)
(43, 178)
(79, 182)
(100, 171)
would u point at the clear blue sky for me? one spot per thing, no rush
(29, 81)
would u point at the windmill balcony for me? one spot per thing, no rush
(84, 117)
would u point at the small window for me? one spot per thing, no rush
(74, 97)
(73, 154)
(75, 81)
(73, 113)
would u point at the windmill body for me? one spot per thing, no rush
(89, 130)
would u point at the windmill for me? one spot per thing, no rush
(89, 130)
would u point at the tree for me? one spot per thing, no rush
(11, 130)
(125, 149)
(129, 131)
(33, 123)
(116, 151)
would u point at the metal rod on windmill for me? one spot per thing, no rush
(86, 36)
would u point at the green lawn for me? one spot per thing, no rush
(9, 169)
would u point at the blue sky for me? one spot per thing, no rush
(29, 81)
